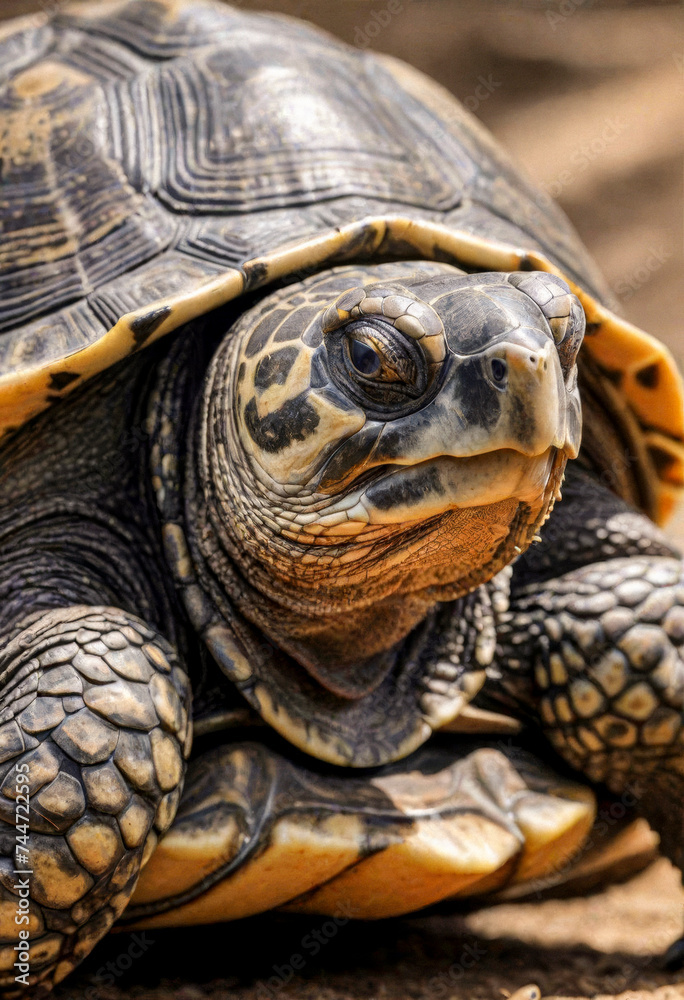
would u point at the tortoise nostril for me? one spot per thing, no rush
(499, 370)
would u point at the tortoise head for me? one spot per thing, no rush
(377, 440)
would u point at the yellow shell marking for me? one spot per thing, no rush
(46, 77)
(341, 864)
(439, 858)
(652, 385)
(301, 854)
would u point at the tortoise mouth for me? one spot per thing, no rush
(404, 493)
(382, 500)
(373, 493)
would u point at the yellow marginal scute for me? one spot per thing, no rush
(474, 826)
(24, 394)
(302, 853)
(651, 385)
(184, 857)
(553, 827)
(461, 855)
(438, 859)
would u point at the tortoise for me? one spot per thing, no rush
(292, 371)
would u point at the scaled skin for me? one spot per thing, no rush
(353, 503)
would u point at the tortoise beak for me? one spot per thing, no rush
(410, 493)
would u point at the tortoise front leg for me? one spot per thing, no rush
(598, 652)
(93, 732)
(609, 670)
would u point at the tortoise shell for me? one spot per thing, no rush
(152, 170)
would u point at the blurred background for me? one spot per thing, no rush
(588, 97)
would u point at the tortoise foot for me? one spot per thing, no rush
(93, 728)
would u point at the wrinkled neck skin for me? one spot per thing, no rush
(328, 593)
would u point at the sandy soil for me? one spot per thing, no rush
(609, 944)
(588, 97)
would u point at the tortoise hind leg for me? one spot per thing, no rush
(93, 729)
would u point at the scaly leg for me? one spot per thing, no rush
(595, 643)
(93, 732)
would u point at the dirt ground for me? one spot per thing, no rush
(588, 98)
(607, 945)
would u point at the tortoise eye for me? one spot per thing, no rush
(377, 366)
(499, 370)
(364, 358)
(376, 354)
